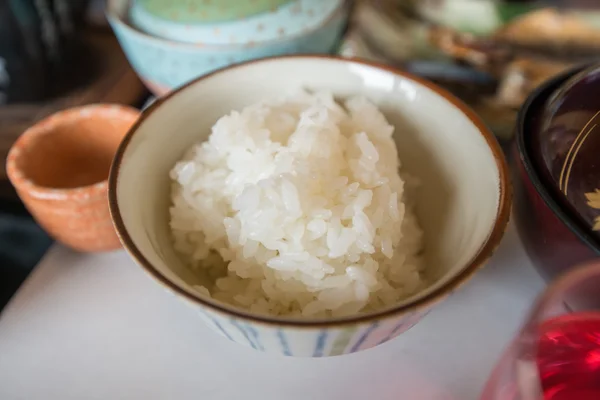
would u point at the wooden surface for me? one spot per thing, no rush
(104, 77)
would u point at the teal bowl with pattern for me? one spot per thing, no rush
(204, 11)
(288, 20)
(165, 64)
(463, 202)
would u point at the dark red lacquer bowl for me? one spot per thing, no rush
(557, 226)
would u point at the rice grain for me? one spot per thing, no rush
(298, 207)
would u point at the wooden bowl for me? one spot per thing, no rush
(556, 224)
(60, 167)
(566, 144)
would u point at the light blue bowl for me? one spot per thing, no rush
(164, 64)
(204, 11)
(290, 20)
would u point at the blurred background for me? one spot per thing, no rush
(56, 54)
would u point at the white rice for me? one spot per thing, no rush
(298, 208)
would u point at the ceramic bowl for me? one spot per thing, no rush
(463, 203)
(60, 167)
(557, 228)
(165, 64)
(288, 21)
(202, 11)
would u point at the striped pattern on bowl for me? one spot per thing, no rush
(330, 341)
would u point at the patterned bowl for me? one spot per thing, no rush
(463, 203)
(555, 173)
(566, 144)
(163, 64)
(203, 11)
(290, 20)
(60, 167)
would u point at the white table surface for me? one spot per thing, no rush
(96, 327)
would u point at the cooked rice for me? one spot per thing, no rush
(298, 207)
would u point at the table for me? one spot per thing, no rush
(87, 327)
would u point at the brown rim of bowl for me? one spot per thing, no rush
(484, 253)
(539, 98)
(24, 183)
(114, 15)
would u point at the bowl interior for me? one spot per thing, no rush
(194, 11)
(289, 20)
(73, 148)
(201, 38)
(458, 162)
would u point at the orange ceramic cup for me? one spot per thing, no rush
(60, 168)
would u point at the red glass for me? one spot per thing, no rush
(556, 355)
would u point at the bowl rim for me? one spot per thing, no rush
(145, 6)
(485, 251)
(524, 148)
(24, 184)
(116, 17)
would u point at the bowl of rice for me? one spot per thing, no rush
(310, 205)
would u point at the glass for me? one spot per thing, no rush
(556, 355)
